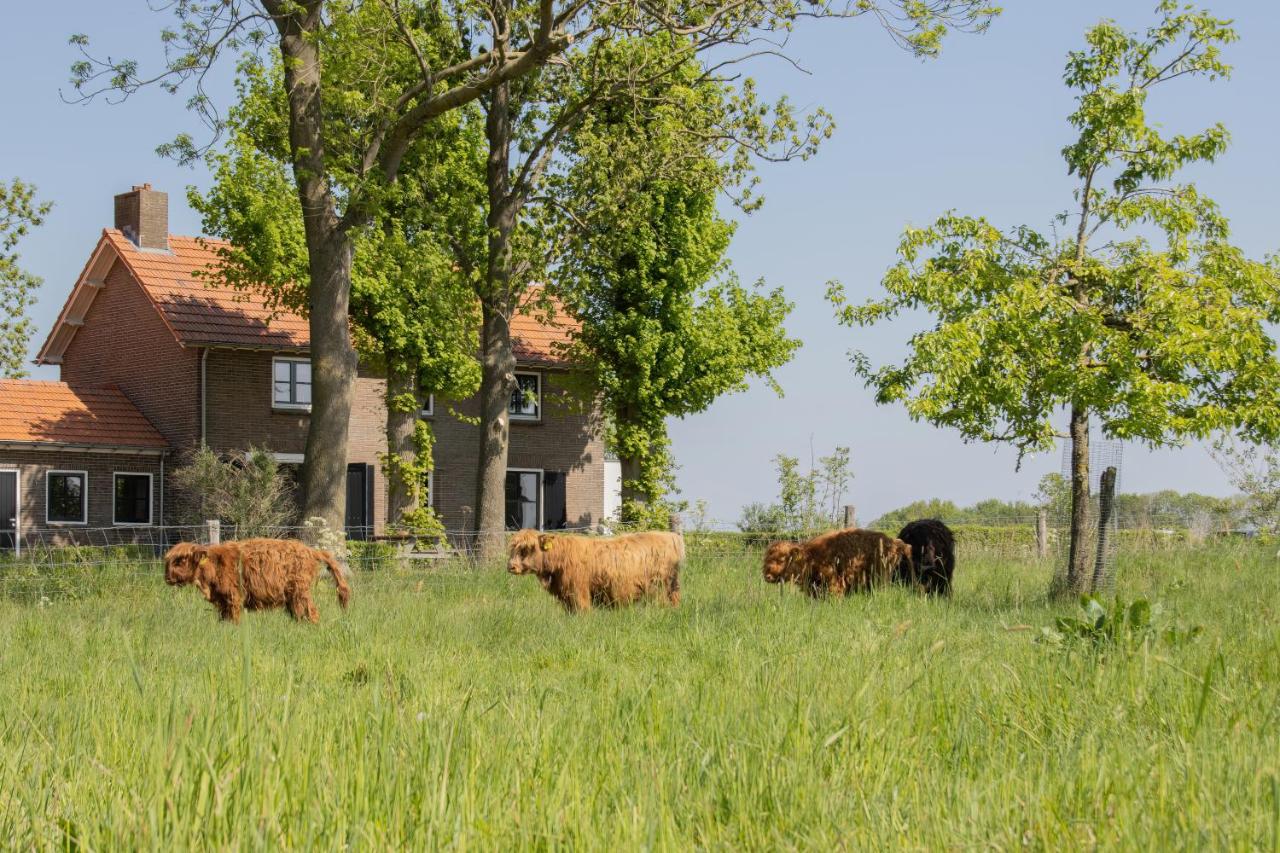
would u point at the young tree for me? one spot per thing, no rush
(1255, 471)
(1155, 341)
(366, 40)
(19, 212)
(665, 326)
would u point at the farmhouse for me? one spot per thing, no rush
(156, 361)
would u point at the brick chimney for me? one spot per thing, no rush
(143, 215)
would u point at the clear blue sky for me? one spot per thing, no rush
(977, 130)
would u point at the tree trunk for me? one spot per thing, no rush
(497, 359)
(402, 384)
(497, 381)
(1078, 561)
(631, 494)
(333, 358)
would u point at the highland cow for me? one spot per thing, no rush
(581, 571)
(933, 556)
(836, 563)
(255, 574)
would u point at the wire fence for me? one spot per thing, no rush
(42, 566)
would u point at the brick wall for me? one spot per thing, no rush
(566, 439)
(33, 465)
(124, 341)
(240, 414)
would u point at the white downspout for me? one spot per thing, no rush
(162, 455)
(204, 395)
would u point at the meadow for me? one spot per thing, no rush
(463, 709)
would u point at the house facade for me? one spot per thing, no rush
(156, 359)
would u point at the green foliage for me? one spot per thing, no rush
(808, 502)
(1166, 508)
(247, 491)
(19, 212)
(1159, 341)
(1123, 626)
(666, 326)
(420, 519)
(409, 300)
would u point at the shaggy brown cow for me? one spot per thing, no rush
(836, 563)
(779, 563)
(609, 571)
(255, 574)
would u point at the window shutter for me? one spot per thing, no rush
(553, 489)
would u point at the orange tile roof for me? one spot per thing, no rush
(199, 311)
(538, 337)
(202, 313)
(56, 413)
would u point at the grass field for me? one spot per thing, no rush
(455, 709)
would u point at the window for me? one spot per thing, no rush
(132, 499)
(526, 399)
(291, 387)
(524, 500)
(67, 497)
(430, 408)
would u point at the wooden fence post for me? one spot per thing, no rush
(674, 523)
(1042, 533)
(850, 516)
(1106, 512)
(213, 531)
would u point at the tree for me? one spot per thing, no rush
(808, 502)
(544, 134)
(367, 44)
(665, 326)
(19, 212)
(1255, 471)
(1155, 341)
(411, 307)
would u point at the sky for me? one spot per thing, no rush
(978, 130)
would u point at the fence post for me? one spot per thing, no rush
(213, 531)
(1042, 533)
(850, 516)
(674, 523)
(1106, 513)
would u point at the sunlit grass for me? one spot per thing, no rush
(466, 709)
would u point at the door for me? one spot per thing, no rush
(359, 501)
(8, 510)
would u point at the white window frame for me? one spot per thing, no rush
(84, 499)
(542, 502)
(431, 489)
(429, 410)
(17, 509)
(151, 499)
(289, 407)
(537, 415)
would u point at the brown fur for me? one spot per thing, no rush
(836, 563)
(608, 571)
(254, 574)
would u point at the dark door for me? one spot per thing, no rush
(8, 510)
(553, 491)
(359, 501)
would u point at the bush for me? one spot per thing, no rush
(248, 491)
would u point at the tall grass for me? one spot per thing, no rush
(465, 709)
